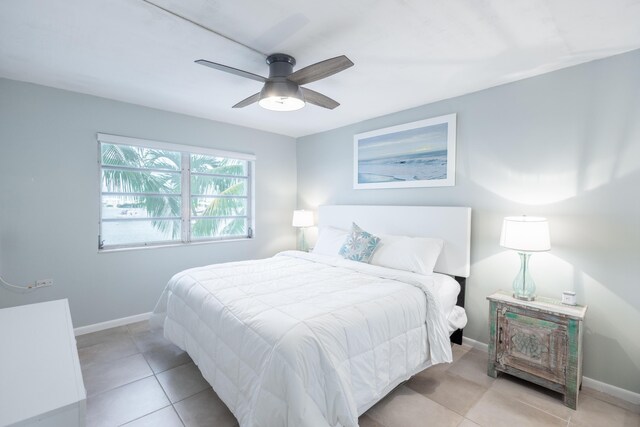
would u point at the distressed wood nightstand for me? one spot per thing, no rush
(539, 341)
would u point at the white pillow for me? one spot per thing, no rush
(416, 254)
(330, 240)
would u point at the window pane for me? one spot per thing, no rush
(214, 186)
(125, 181)
(139, 157)
(210, 206)
(151, 231)
(142, 195)
(131, 207)
(218, 165)
(207, 228)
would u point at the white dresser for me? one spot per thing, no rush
(40, 378)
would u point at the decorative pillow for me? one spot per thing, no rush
(359, 245)
(330, 240)
(416, 254)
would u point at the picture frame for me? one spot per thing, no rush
(416, 154)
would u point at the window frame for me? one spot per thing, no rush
(185, 195)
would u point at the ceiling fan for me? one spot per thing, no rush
(282, 90)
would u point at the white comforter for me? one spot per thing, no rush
(301, 339)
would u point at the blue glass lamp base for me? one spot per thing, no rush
(524, 297)
(303, 245)
(524, 287)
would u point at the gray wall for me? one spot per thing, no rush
(564, 145)
(49, 200)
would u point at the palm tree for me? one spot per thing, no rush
(154, 177)
(227, 185)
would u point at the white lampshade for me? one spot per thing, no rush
(525, 233)
(302, 218)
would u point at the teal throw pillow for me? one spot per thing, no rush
(359, 245)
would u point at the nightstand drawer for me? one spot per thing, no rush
(532, 345)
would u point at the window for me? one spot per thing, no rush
(154, 193)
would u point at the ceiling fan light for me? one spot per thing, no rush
(281, 103)
(279, 94)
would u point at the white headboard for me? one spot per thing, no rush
(452, 224)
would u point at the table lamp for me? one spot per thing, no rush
(525, 234)
(302, 219)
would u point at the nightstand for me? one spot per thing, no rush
(539, 341)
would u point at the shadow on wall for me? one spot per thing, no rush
(588, 149)
(620, 365)
(590, 198)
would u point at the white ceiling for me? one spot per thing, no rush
(406, 52)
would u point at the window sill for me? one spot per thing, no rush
(172, 245)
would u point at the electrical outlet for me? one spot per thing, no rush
(44, 282)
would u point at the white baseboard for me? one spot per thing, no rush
(611, 390)
(111, 324)
(475, 344)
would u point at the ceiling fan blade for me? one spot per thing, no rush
(248, 101)
(320, 70)
(315, 98)
(231, 70)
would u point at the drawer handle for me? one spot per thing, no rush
(500, 335)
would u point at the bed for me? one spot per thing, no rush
(303, 339)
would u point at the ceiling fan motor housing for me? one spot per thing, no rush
(280, 64)
(281, 87)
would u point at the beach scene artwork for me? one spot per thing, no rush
(418, 154)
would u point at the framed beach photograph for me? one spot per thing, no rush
(417, 154)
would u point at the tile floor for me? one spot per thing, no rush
(134, 377)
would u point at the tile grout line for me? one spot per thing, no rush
(503, 394)
(129, 335)
(121, 385)
(142, 416)
(486, 389)
(172, 404)
(532, 406)
(542, 410)
(155, 375)
(474, 404)
(438, 403)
